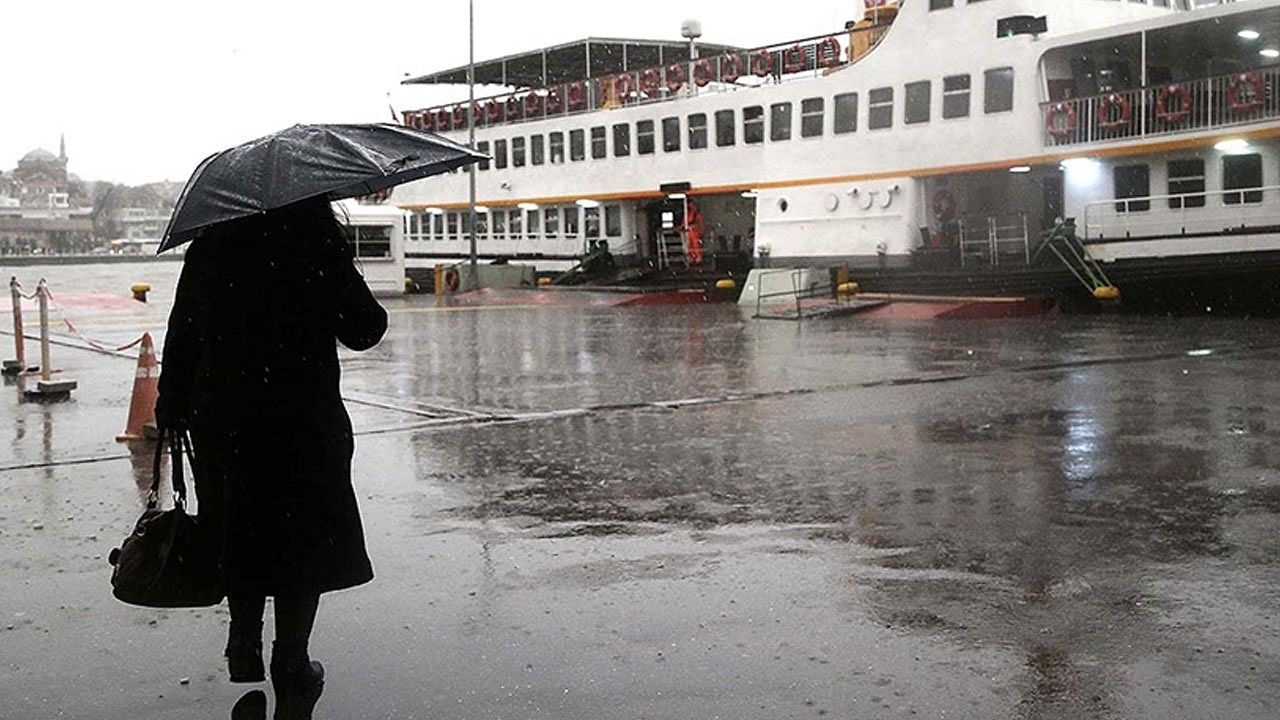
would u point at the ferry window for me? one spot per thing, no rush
(577, 145)
(1240, 172)
(846, 115)
(697, 131)
(556, 141)
(880, 108)
(752, 126)
(591, 221)
(453, 225)
(515, 223)
(517, 152)
(613, 221)
(621, 140)
(465, 229)
(371, 241)
(537, 151)
(500, 154)
(482, 224)
(644, 137)
(999, 90)
(811, 115)
(531, 224)
(780, 121)
(955, 96)
(551, 216)
(1132, 181)
(671, 134)
(484, 148)
(571, 221)
(915, 102)
(437, 226)
(1186, 177)
(599, 147)
(725, 136)
(940, 4)
(498, 224)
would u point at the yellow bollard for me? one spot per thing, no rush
(544, 281)
(1107, 293)
(846, 289)
(438, 276)
(140, 291)
(726, 284)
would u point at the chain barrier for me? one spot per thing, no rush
(75, 331)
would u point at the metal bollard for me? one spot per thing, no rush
(46, 388)
(17, 365)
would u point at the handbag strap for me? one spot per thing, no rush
(179, 445)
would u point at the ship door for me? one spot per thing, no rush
(1053, 199)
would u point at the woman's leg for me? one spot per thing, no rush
(295, 617)
(244, 639)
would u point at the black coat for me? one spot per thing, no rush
(251, 366)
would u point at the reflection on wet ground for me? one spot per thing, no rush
(673, 513)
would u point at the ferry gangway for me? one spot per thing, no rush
(1061, 240)
(800, 291)
(995, 239)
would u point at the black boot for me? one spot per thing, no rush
(298, 682)
(251, 706)
(244, 659)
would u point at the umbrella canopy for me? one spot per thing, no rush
(307, 161)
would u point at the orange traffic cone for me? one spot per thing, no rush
(146, 388)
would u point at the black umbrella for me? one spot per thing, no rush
(307, 161)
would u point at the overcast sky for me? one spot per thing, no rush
(144, 89)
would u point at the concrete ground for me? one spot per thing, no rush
(581, 512)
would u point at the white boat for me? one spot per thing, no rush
(927, 146)
(376, 232)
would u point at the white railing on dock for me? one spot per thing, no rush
(994, 240)
(1239, 211)
(1164, 109)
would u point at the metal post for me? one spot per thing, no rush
(19, 343)
(42, 295)
(471, 125)
(1143, 116)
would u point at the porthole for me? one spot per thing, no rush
(783, 205)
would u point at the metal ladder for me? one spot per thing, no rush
(671, 249)
(1061, 240)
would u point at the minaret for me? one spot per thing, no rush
(62, 148)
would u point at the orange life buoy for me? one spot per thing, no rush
(513, 108)
(442, 119)
(702, 72)
(1181, 111)
(623, 85)
(730, 68)
(944, 205)
(762, 63)
(555, 100)
(1240, 104)
(451, 279)
(828, 52)
(577, 96)
(493, 111)
(794, 59)
(460, 116)
(676, 77)
(532, 104)
(1066, 112)
(1107, 119)
(650, 79)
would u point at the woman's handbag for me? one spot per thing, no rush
(167, 562)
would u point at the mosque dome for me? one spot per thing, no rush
(39, 155)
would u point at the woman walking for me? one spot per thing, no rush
(251, 369)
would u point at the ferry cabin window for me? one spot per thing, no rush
(556, 141)
(515, 223)
(577, 145)
(571, 222)
(437, 226)
(482, 225)
(1186, 178)
(484, 148)
(371, 242)
(599, 144)
(671, 134)
(499, 154)
(939, 4)
(916, 102)
(752, 126)
(532, 222)
(453, 226)
(1240, 172)
(725, 136)
(465, 229)
(551, 217)
(644, 137)
(998, 90)
(613, 221)
(780, 122)
(955, 96)
(537, 151)
(880, 108)
(591, 221)
(846, 114)
(622, 140)
(697, 131)
(811, 115)
(1132, 181)
(498, 219)
(517, 152)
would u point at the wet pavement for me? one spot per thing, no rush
(586, 512)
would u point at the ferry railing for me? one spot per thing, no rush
(988, 238)
(1238, 211)
(1164, 109)
(798, 292)
(798, 59)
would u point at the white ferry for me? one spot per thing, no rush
(927, 146)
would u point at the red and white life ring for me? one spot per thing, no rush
(730, 68)
(555, 100)
(1181, 111)
(513, 107)
(623, 86)
(1107, 117)
(828, 52)
(443, 118)
(944, 205)
(794, 59)
(577, 96)
(1060, 121)
(762, 63)
(650, 80)
(460, 116)
(426, 121)
(493, 111)
(532, 104)
(451, 279)
(676, 77)
(1250, 81)
(702, 72)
